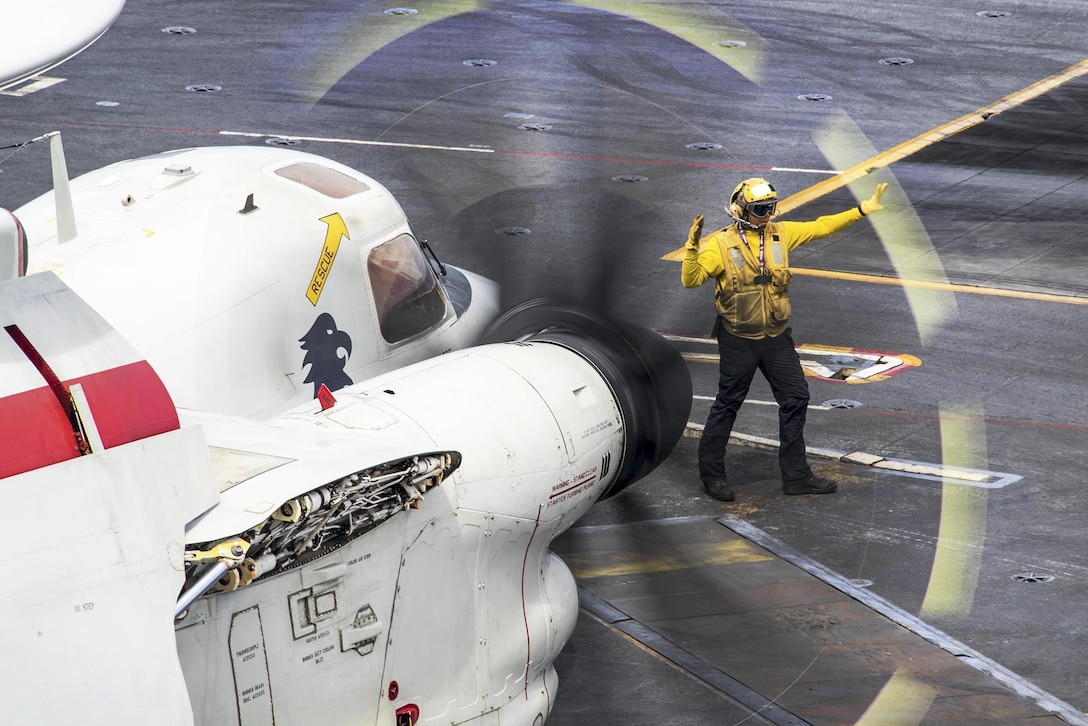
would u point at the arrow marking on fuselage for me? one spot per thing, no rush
(337, 229)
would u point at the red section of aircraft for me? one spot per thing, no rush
(35, 432)
(107, 397)
(128, 403)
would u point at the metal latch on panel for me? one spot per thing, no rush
(363, 633)
(311, 608)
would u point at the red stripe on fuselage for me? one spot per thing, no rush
(128, 403)
(34, 432)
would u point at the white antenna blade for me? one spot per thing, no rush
(62, 192)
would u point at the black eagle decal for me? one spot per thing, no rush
(323, 343)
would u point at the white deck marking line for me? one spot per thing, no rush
(811, 406)
(476, 149)
(902, 467)
(356, 142)
(31, 85)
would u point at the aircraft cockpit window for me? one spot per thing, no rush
(322, 179)
(407, 296)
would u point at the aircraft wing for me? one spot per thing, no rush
(102, 482)
(49, 32)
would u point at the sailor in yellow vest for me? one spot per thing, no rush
(749, 263)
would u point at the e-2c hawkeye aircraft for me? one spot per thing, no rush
(210, 543)
(251, 276)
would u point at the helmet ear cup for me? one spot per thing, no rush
(734, 206)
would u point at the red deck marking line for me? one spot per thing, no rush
(100, 125)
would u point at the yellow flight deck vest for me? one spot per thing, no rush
(748, 308)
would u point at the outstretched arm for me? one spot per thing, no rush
(797, 233)
(692, 273)
(872, 204)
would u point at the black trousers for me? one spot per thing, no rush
(776, 358)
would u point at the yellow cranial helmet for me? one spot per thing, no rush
(755, 194)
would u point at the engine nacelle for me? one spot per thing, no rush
(407, 527)
(648, 377)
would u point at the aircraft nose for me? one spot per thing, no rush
(649, 378)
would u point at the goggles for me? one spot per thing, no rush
(762, 209)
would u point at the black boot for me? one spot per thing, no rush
(719, 490)
(811, 485)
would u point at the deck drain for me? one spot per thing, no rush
(179, 30)
(896, 61)
(204, 88)
(993, 13)
(480, 62)
(512, 231)
(704, 146)
(862, 583)
(1032, 577)
(109, 104)
(281, 141)
(534, 127)
(629, 178)
(814, 97)
(401, 11)
(730, 43)
(842, 403)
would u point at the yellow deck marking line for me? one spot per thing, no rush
(614, 564)
(902, 151)
(945, 286)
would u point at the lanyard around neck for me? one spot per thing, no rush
(762, 258)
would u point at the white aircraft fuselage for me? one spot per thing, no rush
(248, 276)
